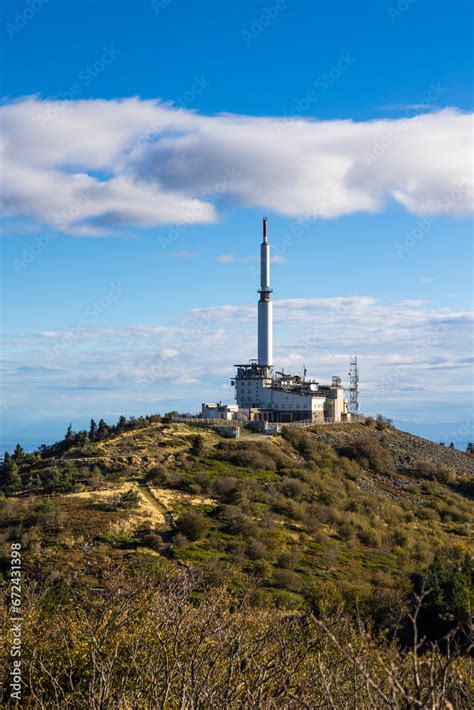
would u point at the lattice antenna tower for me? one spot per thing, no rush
(354, 386)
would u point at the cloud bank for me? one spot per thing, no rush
(98, 167)
(413, 357)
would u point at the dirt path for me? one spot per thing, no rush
(156, 504)
(148, 506)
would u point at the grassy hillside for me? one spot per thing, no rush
(354, 509)
(331, 520)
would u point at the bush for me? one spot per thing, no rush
(369, 537)
(153, 540)
(129, 499)
(302, 441)
(440, 472)
(157, 475)
(288, 508)
(382, 422)
(180, 540)
(235, 520)
(449, 593)
(345, 530)
(262, 568)
(193, 525)
(289, 559)
(198, 446)
(317, 513)
(286, 579)
(257, 550)
(226, 489)
(258, 457)
(370, 454)
(294, 488)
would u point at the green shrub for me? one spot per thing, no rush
(382, 422)
(448, 589)
(257, 550)
(153, 540)
(235, 520)
(286, 579)
(157, 475)
(262, 568)
(257, 457)
(198, 445)
(294, 488)
(289, 508)
(129, 499)
(289, 559)
(226, 489)
(346, 530)
(371, 455)
(440, 472)
(369, 537)
(192, 524)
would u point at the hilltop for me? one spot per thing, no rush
(358, 508)
(168, 566)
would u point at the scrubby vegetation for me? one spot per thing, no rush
(159, 638)
(332, 532)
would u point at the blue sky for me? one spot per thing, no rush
(345, 122)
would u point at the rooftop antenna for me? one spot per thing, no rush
(354, 386)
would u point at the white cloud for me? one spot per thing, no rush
(227, 259)
(413, 357)
(278, 259)
(96, 167)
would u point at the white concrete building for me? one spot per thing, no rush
(217, 410)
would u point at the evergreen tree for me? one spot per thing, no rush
(449, 582)
(34, 480)
(69, 438)
(11, 478)
(121, 424)
(451, 446)
(92, 430)
(470, 448)
(67, 477)
(102, 429)
(18, 453)
(198, 445)
(81, 437)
